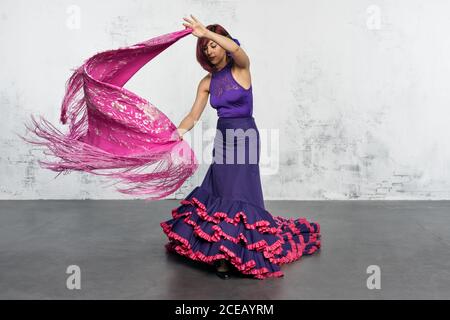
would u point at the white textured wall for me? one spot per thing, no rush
(357, 89)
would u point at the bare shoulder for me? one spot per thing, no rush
(242, 76)
(205, 82)
(237, 69)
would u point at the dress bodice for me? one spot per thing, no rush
(227, 96)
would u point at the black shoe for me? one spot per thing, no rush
(221, 274)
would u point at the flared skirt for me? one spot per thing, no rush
(225, 216)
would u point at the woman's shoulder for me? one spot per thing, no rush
(205, 82)
(207, 77)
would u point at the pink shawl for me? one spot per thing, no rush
(114, 132)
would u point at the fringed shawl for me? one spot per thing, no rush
(114, 132)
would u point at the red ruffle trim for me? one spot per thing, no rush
(262, 226)
(185, 250)
(288, 225)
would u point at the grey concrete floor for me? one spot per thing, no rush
(119, 247)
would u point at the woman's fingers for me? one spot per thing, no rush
(193, 24)
(189, 24)
(189, 21)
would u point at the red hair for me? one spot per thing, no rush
(201, 42)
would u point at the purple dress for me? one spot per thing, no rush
(225, 217)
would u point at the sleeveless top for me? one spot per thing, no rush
(227, 96)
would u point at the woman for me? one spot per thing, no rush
(223, 221)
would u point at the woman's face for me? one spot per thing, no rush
(214, 52)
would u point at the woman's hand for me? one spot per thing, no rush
(177, 135)
(199, 30)
(180, 133)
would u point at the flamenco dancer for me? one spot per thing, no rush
(223, 221)
(115, 133)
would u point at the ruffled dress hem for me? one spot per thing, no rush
(207, 228)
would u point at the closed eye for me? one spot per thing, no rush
(204, 48)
